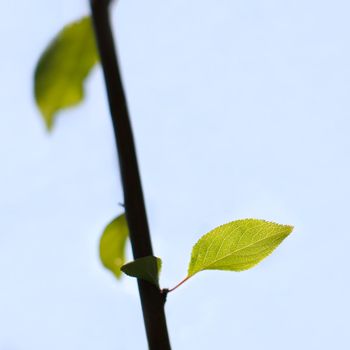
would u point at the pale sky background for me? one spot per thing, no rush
(240, 109)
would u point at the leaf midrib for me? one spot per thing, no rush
(247, 246)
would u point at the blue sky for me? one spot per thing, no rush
(240, 109)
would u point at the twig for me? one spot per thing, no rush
(151, 298)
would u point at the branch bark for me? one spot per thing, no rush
(151, 298)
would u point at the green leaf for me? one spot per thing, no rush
(112, 245)
(63, 67)
(237, 246)
(147, 268)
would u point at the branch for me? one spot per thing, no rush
(151, 297)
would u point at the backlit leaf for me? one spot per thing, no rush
(237, 246)
(63, 67)
(147, 268)
(112, 245)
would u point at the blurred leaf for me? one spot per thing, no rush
(63, 67)
(112, 245)
(147, 268)
(237, 246)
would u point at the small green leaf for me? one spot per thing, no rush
(237, 246)
(112, 245)
(147, 268)
(63, 67)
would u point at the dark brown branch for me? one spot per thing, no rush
(151, 298)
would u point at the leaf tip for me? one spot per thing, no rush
(49, 124)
